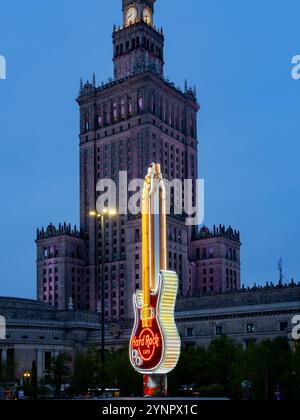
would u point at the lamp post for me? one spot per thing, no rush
(26, 376)
(100, 216)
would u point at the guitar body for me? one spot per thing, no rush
(155, 348)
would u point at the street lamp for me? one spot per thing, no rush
(26, 376)
(100, 216)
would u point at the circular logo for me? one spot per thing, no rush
(146, 344)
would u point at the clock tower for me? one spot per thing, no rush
(138, 45)
(137, 118)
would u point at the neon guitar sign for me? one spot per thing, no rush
(155, 342)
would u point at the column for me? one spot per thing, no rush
(40, 363)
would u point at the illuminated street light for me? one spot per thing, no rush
(100, 216)
(26, 377)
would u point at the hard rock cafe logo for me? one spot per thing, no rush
(146, 344)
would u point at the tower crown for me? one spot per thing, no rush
(138, 45)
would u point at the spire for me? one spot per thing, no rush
(195, 91)
(94, 80)
(81, 85)
(186, 86)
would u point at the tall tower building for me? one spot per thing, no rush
(135, 119)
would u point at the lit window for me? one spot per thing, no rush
(140, 103)
(100, 119)
(250, 328)
(123, 108)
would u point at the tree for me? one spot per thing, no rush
(193, 368)
(86, 371)
(120, 374)
(224, 355)
(7, 372)
(269, 365)
(33, 389)
(60, 371)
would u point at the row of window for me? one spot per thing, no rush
(210, 253)
(53, 252)
(251, 329)
(125, 108)
(136, 43)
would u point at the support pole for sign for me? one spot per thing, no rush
(155, 386)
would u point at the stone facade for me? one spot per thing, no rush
(38, 332)
(61, 267)
(215, 260)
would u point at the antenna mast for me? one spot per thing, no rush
(280, 268)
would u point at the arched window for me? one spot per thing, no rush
(99, 118)
(114, 111)
(153, 104)
(161, 108)
(86, 123)
(140, 103)
(122, 108)
(171, 115)
(192, 127)
(106, 117)
(177, 119)
(133, 44)
(130, 107)
(164, 111)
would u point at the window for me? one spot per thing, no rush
(250, 328)
(130, 109)
(284, 326)
(190, 332)
(47, 360)
(219, 330)
(140, 103)
(122, 108)
(99, 118)
(114, 111)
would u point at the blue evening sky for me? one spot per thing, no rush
(237, 53)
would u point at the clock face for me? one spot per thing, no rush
(147, 16)
(131, 15)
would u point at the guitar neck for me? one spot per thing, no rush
(154, 232)
(145, 248)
